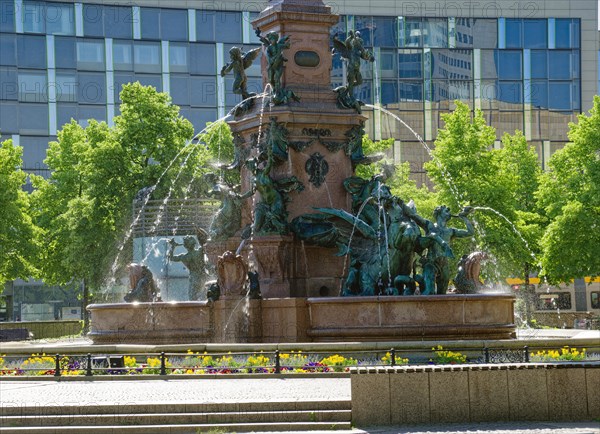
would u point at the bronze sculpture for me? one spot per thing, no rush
(195, 261)
(239, 62)
(142, 285)
(274, 46)
(352, 51)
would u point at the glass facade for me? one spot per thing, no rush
(60, 61)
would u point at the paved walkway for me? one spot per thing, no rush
(226, 390)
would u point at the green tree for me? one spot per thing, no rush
(570, 195)
(84, 206)
(18, 234)
(467, 171)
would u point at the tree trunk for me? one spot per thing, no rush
(84, 303)
(528, 296)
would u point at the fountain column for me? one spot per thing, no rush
(316, 131)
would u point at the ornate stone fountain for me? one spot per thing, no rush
(296, 149)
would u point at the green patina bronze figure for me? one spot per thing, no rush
(277, 140)
(274, 46)
(436, 269)
(228, 219)
(195, 261)
(270, 213)
(352, 51)
(239, 62)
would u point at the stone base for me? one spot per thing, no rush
(440, 317)
(437, 317)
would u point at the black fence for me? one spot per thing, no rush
(274, 362)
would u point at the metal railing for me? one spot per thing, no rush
(273, 362)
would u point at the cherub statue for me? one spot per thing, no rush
(195, 260)
(274, 46)
(228, 218)
(239, 62)
(352, 51)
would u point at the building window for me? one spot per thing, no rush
(227, 25)
(31, 51)
(93, 20)
(146, 57)
(435, 32)
(514, 33)
(180, 90)
(595, 300)
(173, 25)
(539, 64)
(410, 64)
(204, 92)
(389, 92)
(150, 23)
(565, 64)
(90, 55)
(66, 87)
(476, 33)
(91, 88)
(7, 16)
(118, 22)
(205, 26)
(33, 119)
(9, 117)
(566, 33)
(51, 18)
(203, 59)
(65, 53)
(122, 56)
(85, 113)
(535, 33)
(178, 58)
(33, 86)
(410, 32)
(8, 50)
(510, 64)
(9, 85)
(411, 91)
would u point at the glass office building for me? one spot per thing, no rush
(525, 70)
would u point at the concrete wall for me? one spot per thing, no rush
(445, 394)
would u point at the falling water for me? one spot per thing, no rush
(445, 174)
(113, 270)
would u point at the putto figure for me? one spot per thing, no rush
(274, 46)
(239, 62)
(352, 51)
(196, 262)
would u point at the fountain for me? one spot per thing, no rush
(311, 230)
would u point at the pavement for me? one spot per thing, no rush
(228, 390)
(238, 390)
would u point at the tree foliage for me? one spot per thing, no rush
(18, 234)
(499, 183)
(570, 195)
(85, 205)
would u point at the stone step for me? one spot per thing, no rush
(181, 429)
(329, 416)
(173, 408)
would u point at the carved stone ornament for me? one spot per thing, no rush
(232, 271)
(317, 168)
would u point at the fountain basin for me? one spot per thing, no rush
(436, 317)
(443, 317)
